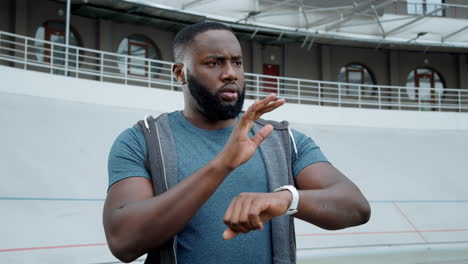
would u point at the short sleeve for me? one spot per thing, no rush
(307, 152)
(127, 156)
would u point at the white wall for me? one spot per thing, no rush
(57, 131)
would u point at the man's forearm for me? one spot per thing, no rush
(141, 225)
(334, 208)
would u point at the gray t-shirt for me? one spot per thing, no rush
(201, 240)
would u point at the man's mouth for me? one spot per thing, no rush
(229, 92)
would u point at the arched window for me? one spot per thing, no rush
(139, 49)
(356, 74)
(54, 31)
(425, 85)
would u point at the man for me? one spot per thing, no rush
(221, 207)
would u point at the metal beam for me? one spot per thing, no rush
(363, 6)
(360, 9)
(453, 33)
(194, 2)
(253, 34)
(415, 20)
(280, 35)
(305, 41)
(255, 13)
(302, 12)
(311, 43)
(320, 9)
(378, 20)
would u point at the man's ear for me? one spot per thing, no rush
(179, 74)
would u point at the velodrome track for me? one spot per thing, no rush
(57, 131)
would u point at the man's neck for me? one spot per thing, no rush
(201, 121)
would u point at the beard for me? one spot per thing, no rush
(210, 105)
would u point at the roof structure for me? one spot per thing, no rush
(428, 24)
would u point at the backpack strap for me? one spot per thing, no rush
(161, 164)
(276, 152)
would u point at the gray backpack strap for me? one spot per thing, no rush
(162, 166)
(276, 152)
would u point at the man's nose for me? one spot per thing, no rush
(229, 73)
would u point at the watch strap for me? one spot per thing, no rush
(295, 198)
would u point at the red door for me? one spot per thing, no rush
(270, 85)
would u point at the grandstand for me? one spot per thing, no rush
(387, 104)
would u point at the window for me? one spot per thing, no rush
(139, 49)
(422, 7)
(55, 54)
(424, 85)
(356, 74)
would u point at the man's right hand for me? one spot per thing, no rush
(239, 148)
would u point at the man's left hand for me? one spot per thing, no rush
(249, 211)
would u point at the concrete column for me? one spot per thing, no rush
(257, 60)
(20, 26)
(20, 20)
(393, 67)
(104, 35)
(462, 65)
(325, 63)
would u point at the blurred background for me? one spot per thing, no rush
(380, 85)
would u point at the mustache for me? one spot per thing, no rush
(230, 87)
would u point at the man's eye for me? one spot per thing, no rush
(213, 63)
(238, 63)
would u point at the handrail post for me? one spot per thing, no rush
(399, 98)
(319, 93)
(419, 101)
(102, 67)
(77, 62)
(339, 94)
(25, 52)
(258, 86)
(359, 96)
(149, 73)
(278, 85)
(459, 101)
(299, 91)
(440, 103)
(380, 97)
(126, 69)
(51, 57)
(172, 79)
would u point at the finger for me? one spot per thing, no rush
(270, 98)
(228, 214)
(254, 218)
(229, 234)
(245, 215)
(262, 134)
(236, 223)
(259, 209)
(257, 105)
(249, 114)
(264, 217)
(231, 218)
(272, 106)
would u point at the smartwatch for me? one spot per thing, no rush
(295, 200)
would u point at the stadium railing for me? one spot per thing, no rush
(78, 62)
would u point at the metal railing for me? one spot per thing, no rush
(429, 8)
(45, 56)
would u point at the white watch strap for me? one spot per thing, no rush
(295, 200)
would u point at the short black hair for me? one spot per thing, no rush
(185, 36)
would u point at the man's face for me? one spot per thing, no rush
(215, 74)
(210, 104)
